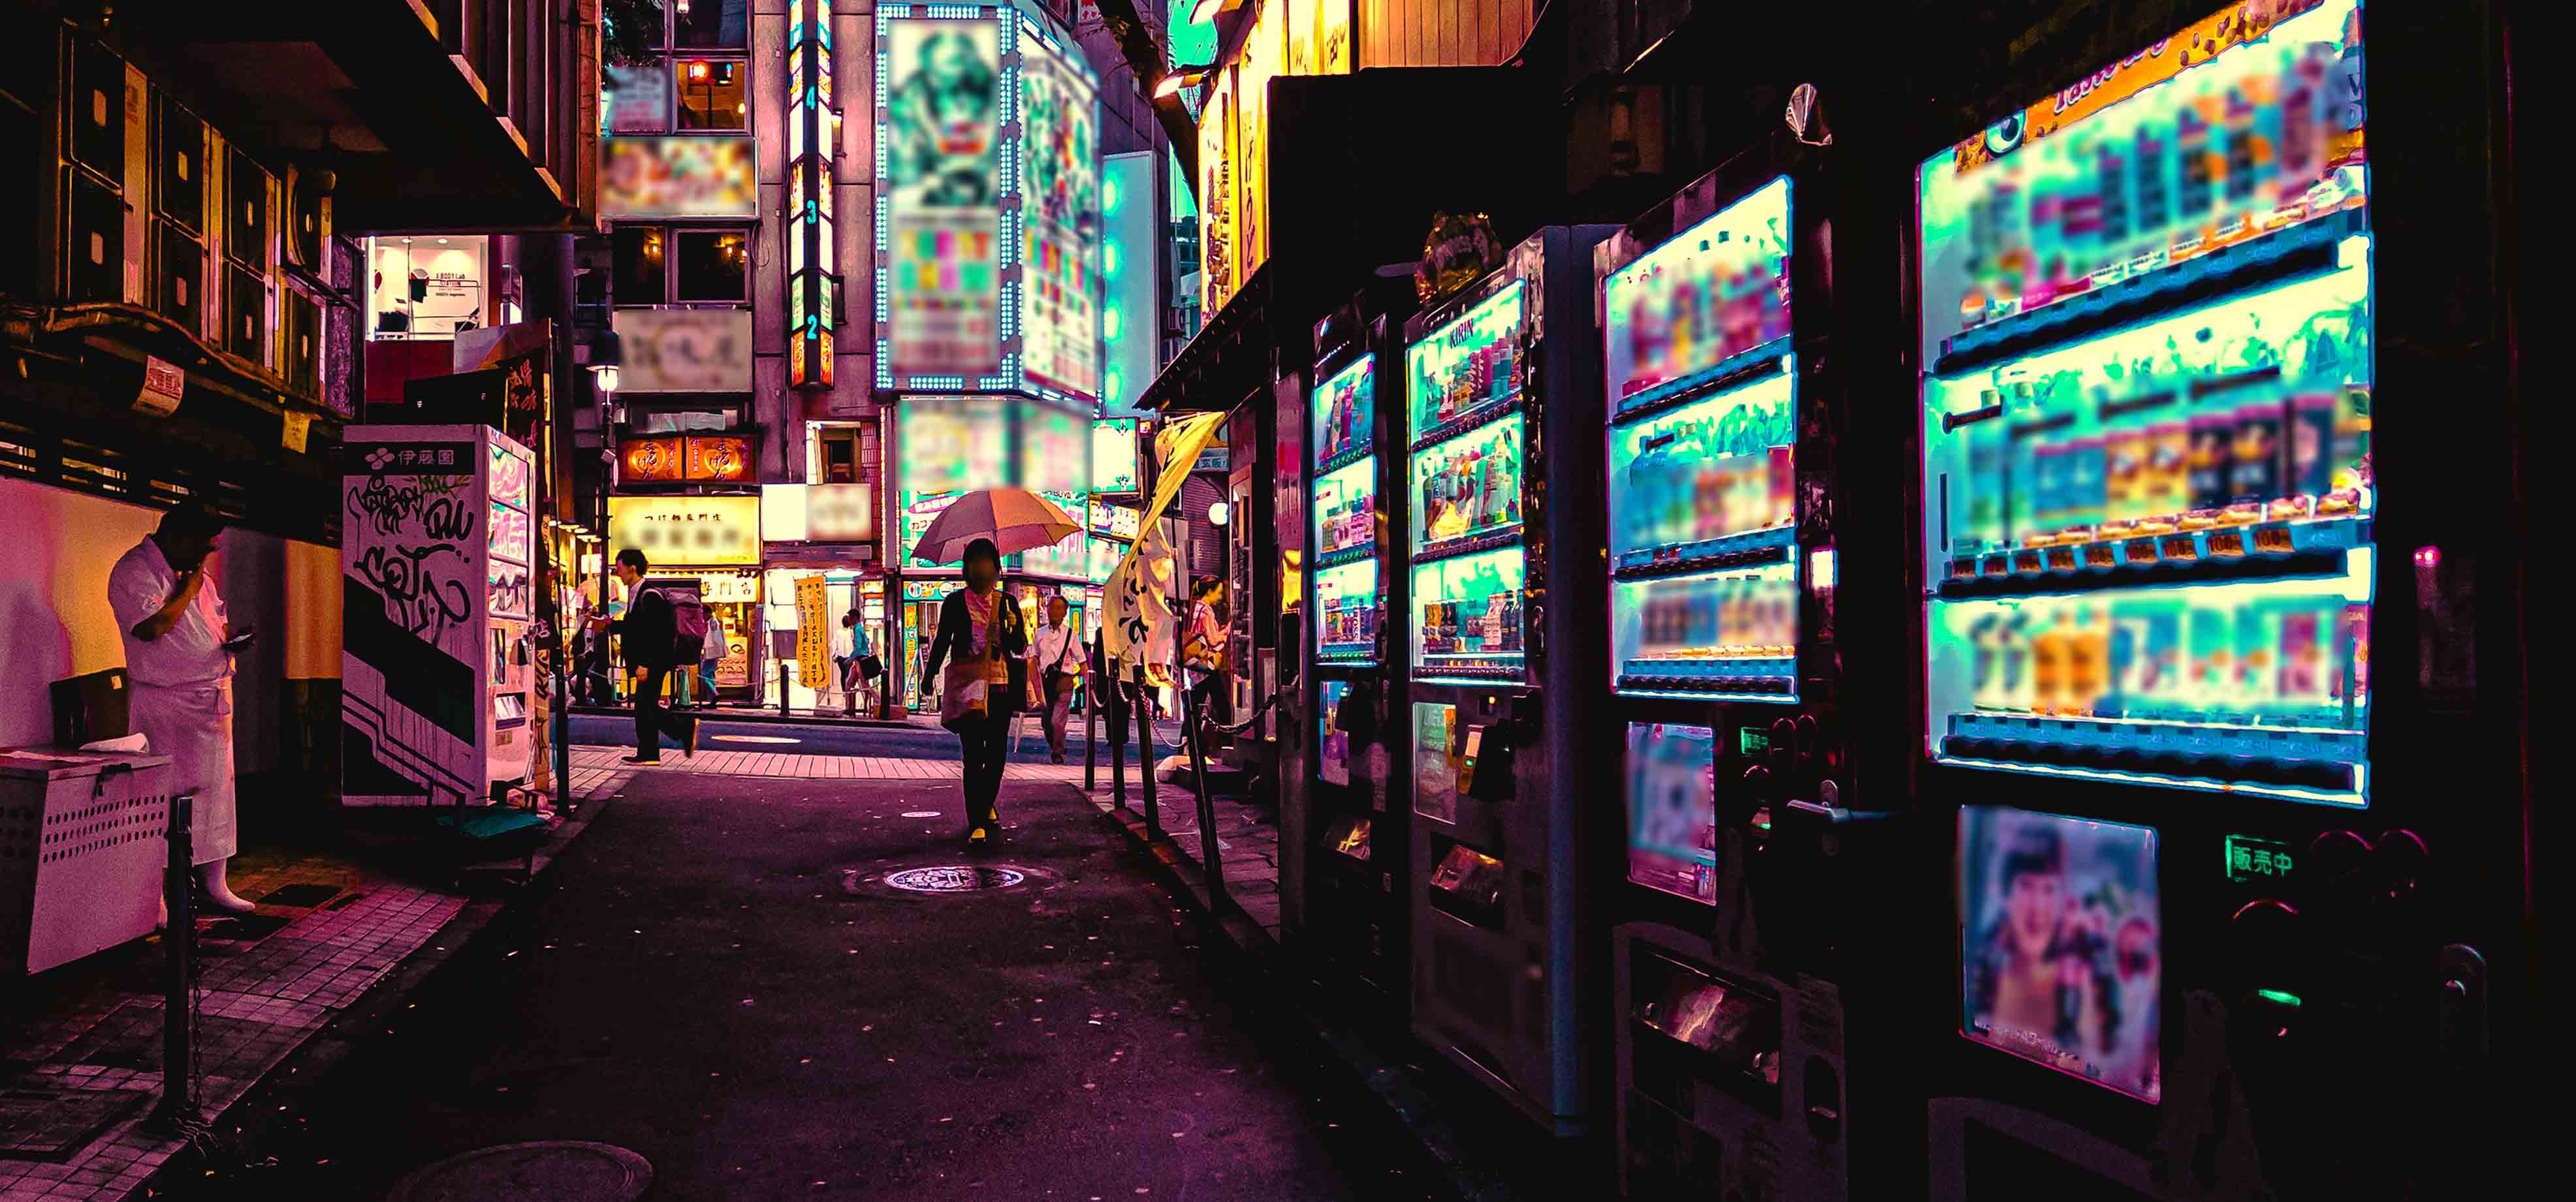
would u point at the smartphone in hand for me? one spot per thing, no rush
(241, 639)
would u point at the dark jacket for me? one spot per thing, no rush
(1014, 640)
(650, 631)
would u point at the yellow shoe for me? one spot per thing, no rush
(977, 837)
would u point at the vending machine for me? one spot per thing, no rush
(1746, 976)
(437, 552)
(1342, 854)
(1501, 392)
(2231, 797)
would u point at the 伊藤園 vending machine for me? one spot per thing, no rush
(2232, 789)
(437, 551)
(1500, 396)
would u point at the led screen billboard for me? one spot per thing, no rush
(1060, 282)
(939, 133)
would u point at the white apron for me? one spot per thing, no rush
(193, 725)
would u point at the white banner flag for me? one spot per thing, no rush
(1136, 604)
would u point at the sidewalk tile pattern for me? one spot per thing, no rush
(257, 1002)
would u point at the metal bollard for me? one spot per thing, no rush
(1145, 731)
(175, 1110)
(1210, 849)
(1118, 748)
(786, 684)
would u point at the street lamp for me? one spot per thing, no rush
(605, 376)
(1219, 513)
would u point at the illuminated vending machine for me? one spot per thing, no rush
(437, 550)
(2235, 841)
(1341, 852)
(1735, 979)
(1496, 377)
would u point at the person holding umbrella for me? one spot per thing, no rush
(983, 639)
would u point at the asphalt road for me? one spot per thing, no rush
(709, 978)
(914, 741)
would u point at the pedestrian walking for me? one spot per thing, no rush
(1203, 653)
(650, 634)
(1059, 659)
(179, 650)
(981, 639)
(710, 654)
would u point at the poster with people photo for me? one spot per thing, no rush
(941, 177)
(2061, 934)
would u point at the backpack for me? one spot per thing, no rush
(688, 626)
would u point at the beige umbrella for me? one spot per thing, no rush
(1014, 518)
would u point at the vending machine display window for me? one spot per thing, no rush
(1467, 490)
(1672, 809)
(1712, 301)
(1469, 626)
(1702, 474)
(1344, 513)
(2060, 954)
(1470, 370)
(2148, 496)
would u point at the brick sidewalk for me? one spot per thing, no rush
(328, 929)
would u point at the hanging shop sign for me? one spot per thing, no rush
(716, 458)
(1128, 270)
(677, 177)
(684, 350)
(687, 531)
(1113, 455)
(813, 135)
(1284, 38)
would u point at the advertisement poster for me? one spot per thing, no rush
(939, 132)
(1435, 770)
(1060, 198)
(676, 177)
(1113, 455)
(1055, 450)
(813, 629)
(2061, 956)
(1335, 761)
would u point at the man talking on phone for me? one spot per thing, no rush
(179, 658)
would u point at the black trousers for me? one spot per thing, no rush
(652, 721)
(987, 746)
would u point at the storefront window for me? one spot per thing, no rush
(711, 93)
(712, 265)
(716, 23)
(640, 264)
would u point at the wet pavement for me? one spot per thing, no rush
(718, 976)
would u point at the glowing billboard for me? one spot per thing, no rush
(939, 142)
(1060, 284)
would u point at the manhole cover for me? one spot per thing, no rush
(944, 880)
(955, 878)
(556, 1170)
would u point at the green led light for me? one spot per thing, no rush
(1751, 741)
(2249, 858)
(2278, 997)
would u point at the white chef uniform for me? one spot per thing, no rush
(182, 695)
